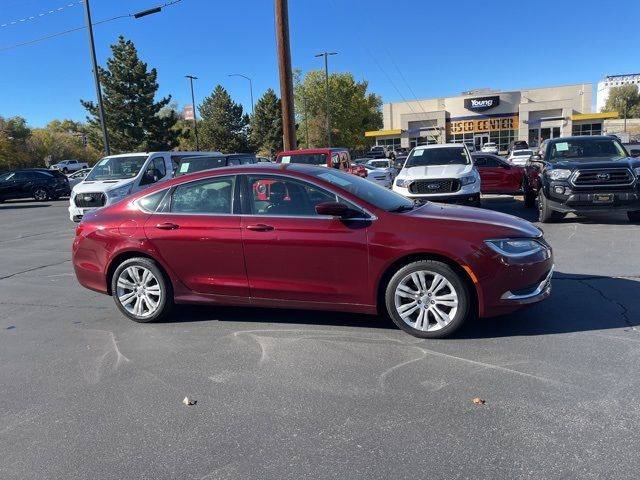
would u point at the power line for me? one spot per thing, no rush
(39, 15)
(65, 32)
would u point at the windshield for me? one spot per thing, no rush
(437, 156)
(306, 158)
(197, 164)
(117, 168)
(370, 192)
(522, 153)
(576, 149)
(7, 176)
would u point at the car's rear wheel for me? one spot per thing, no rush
(545, 213)
(40, 194)
(427, 299)
(634, 217)
(65, 170)
(141, 291)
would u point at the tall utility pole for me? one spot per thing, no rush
(96, 77)
(306, 122)
(326, 82)
(193, 102)
(286, 80)
(250, 87)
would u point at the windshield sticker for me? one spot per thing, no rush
(330, 177)
(562, 147)
(418, 153)
(184, 167)
(286, 159)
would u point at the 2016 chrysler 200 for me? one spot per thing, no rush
(298, 236)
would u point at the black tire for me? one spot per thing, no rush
(165, 302)
(65, 170)
(455, 285)
(40, 194)
(634, 217)
(529, 194)
(477, 203)
(545, 213)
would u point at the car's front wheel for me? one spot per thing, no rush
(634, 217)
(545, 213)
(427, 299)
(141, 290)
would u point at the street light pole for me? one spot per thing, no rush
(326, 81)
(96, 77)
(250, 87)
(193, 102)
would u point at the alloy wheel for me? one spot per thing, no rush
(40, 194)
(139, 291)
(426, 300)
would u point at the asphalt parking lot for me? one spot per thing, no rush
(85, 393)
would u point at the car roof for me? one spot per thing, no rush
(579, 137)
(313, 150)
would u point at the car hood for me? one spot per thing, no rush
(477, 217)
(435, 171)
(598, 162)
(100, 185)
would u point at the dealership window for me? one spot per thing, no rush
(586, 129)
(391, 143)
(417, 141)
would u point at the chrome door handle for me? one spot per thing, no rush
(260, 227)
(167, 226)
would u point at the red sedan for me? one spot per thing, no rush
(317, 238)
(498, 176)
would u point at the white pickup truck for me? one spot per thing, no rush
(66, 166)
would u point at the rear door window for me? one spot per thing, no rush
(207, 197)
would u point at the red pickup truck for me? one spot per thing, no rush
(323, 157)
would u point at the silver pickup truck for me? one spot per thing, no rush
(66, 166)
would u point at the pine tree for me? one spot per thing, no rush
(131, 113)
(266, 125)
(222, 126)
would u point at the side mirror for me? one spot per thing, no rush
(152, 175)
(635, 152)
(335, 209)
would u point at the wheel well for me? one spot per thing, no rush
(401, 262)
(118, 259)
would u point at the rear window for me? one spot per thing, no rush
(197, 164)
(522, 153)
(306, 159)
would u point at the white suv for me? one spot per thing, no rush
(440, 173)
(118, 176)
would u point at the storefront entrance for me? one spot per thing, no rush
(479, 140)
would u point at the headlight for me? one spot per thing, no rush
(468, 180)
(120, 192)
(560, 174)
(402, 182)
(637, 171)
(515, 247)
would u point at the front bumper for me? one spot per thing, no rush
(467, 195)
(591, 201)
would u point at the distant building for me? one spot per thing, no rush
(480, 116)
(187, 112)
(610, 81)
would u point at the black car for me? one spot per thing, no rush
(38, 183)
(583, 175)
(206, 162)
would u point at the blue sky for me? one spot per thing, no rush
(406, 47)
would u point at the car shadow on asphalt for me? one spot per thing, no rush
(578, 303)
(8, 206)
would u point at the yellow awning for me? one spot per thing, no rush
(594, 116)
(381, 133)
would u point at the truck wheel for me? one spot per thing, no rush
(529, 194)
(65, 170)
(545, 213)
(634, 217)
(427, 299)
(40, 194)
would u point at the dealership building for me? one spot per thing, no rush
(480, 116)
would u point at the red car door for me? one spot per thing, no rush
(199, 238)
(293, 254)
(489, 174)
(497, 175)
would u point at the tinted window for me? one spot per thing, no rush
(487, 162)
(211, 196)
(158, 164)
(306, 158)
(279, 197)
(437, 156)
(247, 160)
(7, 176)
(197, 164)
(150, 202)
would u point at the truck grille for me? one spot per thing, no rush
(441, 185)
(605, 177)
(90, 200)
